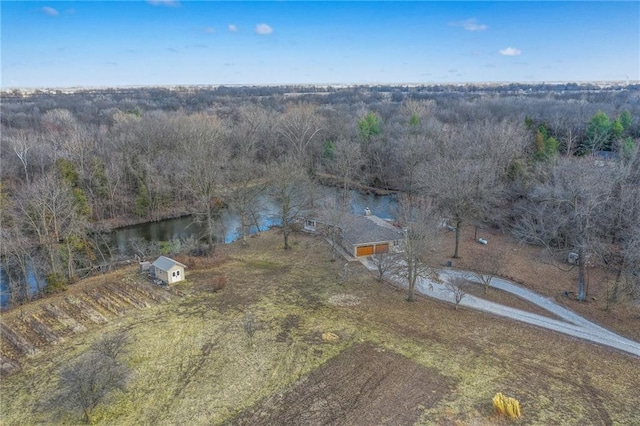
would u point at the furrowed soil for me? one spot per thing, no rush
(365, 384)
(322, 350)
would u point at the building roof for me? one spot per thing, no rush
(365, 229)
(164, 263)
(605, 155)
(362, 229)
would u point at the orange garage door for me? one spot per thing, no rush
(382, 248)
(364, 250)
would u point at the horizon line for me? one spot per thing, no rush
(334, 84)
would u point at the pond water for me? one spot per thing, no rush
(184, 227)
(181, 228)
(33, 285)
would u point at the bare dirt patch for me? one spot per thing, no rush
(364, 385)
(344, 300)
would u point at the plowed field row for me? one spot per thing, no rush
(26, 331)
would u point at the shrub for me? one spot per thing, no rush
(506, 406)
(218, 283)
(55, 283)
(250, 325)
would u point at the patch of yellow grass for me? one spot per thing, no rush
(506, 406)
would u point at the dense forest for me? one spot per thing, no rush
(557, 166)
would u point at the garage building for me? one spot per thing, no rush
(359, 235)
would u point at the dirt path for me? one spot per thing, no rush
(570, 323)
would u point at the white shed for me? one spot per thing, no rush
(167, 270)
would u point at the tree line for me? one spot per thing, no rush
(556, 169)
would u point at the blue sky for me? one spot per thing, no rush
(163, 42)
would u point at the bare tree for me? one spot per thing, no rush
(332, 219)
(244, 187)
(59, 126)
(626, 261)
(245, 135)
(22, 142)
(87, 382)
(413, 149)
(14, 250)
(487, 266)
(384, 262)
(416, 111)
(47, 210)
(290, 187)
(345, 164)
(333, 222)
(415, 256)
(300, 126)
(568, 213)
(204, 139)
(631, 262)
(461, 188)
(114, 188)
(16, 257)
(413, 159)
(570, 141)
(466, 174)
(456, 285)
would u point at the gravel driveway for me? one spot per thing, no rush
(570, 323)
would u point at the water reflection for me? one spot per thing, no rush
(31, 290)
(185, 227)
(165, 230)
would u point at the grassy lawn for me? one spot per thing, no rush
(193, 363)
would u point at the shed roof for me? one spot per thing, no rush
(164, 263)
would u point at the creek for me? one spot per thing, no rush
(182, 228)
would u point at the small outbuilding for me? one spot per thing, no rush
(167, 270)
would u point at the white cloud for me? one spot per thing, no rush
(50, 11)
(511, 51)
(232, 28)
(263, 29)
(170, 3)
(471, 24)
(209, 30)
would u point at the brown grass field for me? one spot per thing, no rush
(394, 362)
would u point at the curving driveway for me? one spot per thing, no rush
(570, 323)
